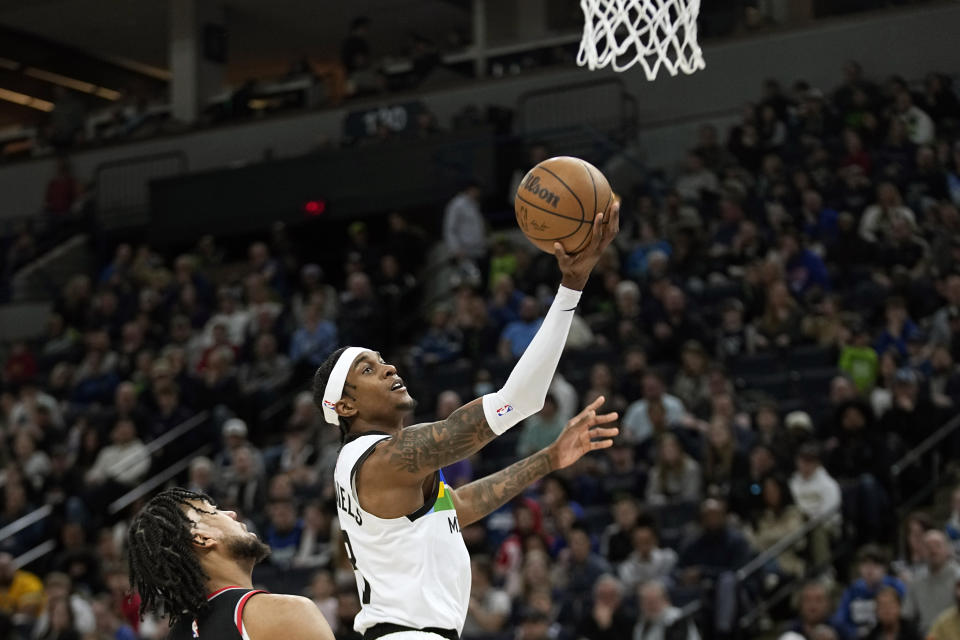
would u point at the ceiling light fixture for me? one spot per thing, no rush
(25, 101)
(72, 83)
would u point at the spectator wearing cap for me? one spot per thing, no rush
(857, 613)
(816, 494)
(931, 593)
(235, 435)
(911, 416)
(947, 624)
(891, 624)
(859, 360)
(659, 618)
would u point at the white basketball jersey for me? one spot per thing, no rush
(412, 571)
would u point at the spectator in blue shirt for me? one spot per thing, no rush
(283, 532)
(518, 334)
(316, 338)
(897, 329)
(805, 270)
(857, 612)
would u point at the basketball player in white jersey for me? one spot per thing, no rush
(401, 522)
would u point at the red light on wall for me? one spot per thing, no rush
(314, 207)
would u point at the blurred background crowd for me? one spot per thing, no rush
(778, 325)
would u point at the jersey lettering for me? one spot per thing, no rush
(454, 524)
(352, 557)
(345, 502)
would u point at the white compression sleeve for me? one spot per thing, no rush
(526, 387)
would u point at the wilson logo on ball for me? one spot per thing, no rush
(532, 185)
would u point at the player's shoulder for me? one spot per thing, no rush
(273, 615)
(360, 446)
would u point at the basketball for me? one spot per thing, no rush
(558, 200)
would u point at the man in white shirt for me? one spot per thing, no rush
(660, 620)
(920, 127)
(464, 229)
(813, 489)
(125, 461)
(636, 421)
(648, 561)
(877, 220)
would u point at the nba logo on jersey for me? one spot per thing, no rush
(329, 405)
(195, 629)
(504, 410)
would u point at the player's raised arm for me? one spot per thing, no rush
(584, 433)
(417, 451)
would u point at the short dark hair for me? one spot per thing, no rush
(872, 553)
(320, 379)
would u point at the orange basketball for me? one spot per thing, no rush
(557, 201)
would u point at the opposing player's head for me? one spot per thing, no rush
(177, 542)
(354, 388)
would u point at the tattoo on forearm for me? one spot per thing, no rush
(434, 445)
(485, 495)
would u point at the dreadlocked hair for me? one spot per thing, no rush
(320, 379)
(164, 568)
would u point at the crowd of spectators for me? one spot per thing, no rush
(777, 327)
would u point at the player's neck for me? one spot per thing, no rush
(231, 575)
(361, 427)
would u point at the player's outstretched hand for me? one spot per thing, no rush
(576, 267)
(582, 435)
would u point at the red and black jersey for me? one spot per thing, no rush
(222, 620)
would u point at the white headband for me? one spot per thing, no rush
(338, 377)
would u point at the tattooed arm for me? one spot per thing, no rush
(481, 497)
(418, 451)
